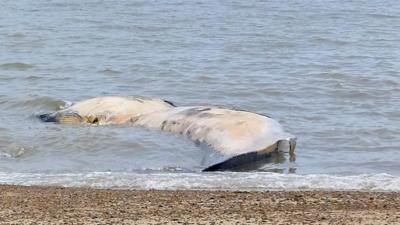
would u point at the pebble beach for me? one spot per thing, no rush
(58, 205)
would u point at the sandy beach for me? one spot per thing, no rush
(56, 205)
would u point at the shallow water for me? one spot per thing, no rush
(329, 71)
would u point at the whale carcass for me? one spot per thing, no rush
(238, 137)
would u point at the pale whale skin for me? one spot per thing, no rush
(107, 110)
(241, 137)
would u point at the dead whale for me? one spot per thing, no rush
(239, 138)
(107, 110)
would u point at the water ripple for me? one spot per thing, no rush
(16, 66)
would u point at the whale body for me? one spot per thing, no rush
(107, 110)
(240, 137)
(228, 131)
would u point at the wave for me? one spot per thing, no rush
(109, 72)
(42, 102)
(16, 66)
(261, 181)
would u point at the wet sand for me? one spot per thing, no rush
(55, 205)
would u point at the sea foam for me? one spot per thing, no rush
(231, 181)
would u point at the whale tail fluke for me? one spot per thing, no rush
(246, 162)
(257, 159)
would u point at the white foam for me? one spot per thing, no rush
(207, 181)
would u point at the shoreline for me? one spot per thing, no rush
(60, 205)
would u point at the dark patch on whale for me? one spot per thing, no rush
(246, 162)
(57, 118)
(169, 102)
(47, 118)
(199, 112)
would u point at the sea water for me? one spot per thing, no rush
(328, 71)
